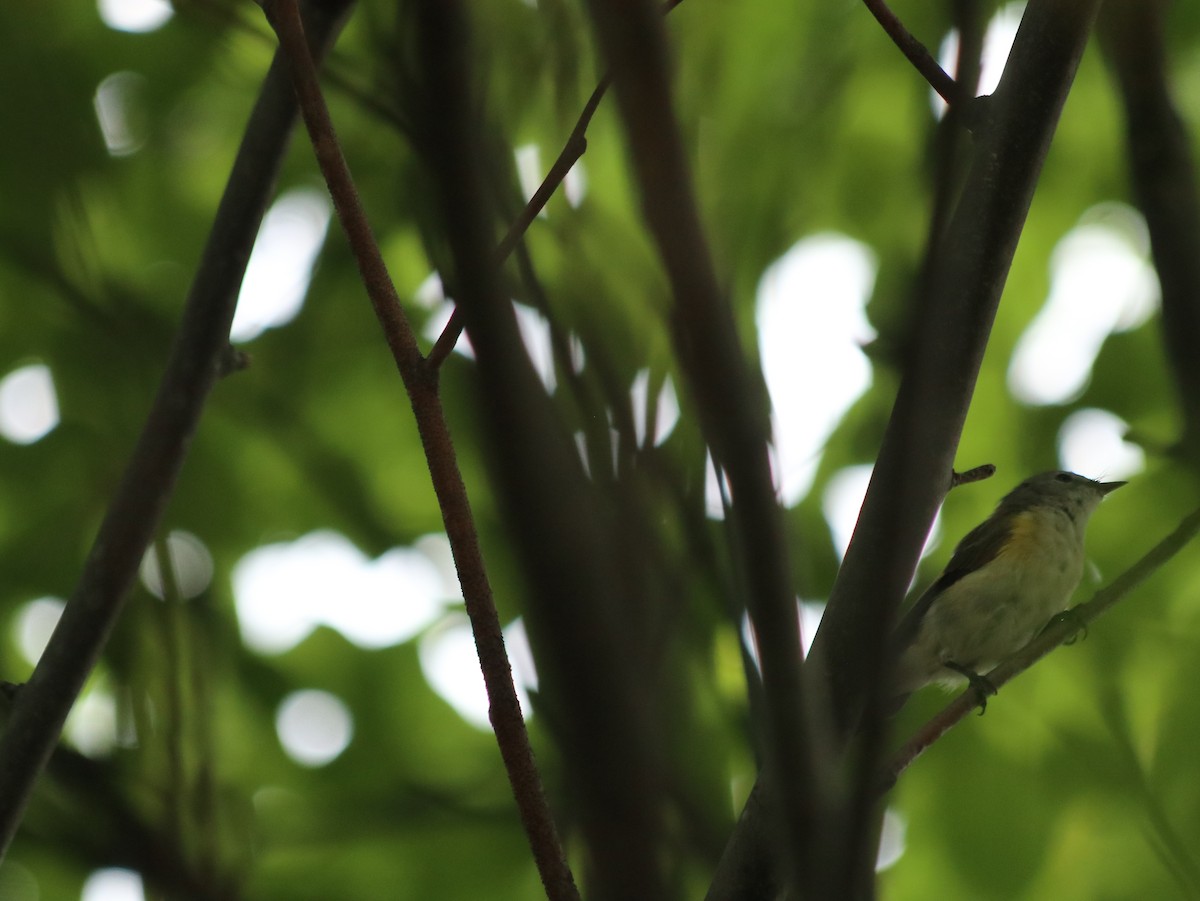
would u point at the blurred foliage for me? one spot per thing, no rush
(802, 118)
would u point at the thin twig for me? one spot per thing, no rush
(572, 150)
(916, 52)
(137, 506)
(1060, 631)
(421, 383)
(977, 474)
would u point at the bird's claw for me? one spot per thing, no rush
(1070, 616)
(979, 683)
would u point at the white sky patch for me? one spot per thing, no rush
(714, 504)
(92, 725)
(34, 625)
(535, 332)
(997, 42)
(430, 293)
(892, 840)
(28, 404)
(119, 103)
(113, 884)
(314, 727)
(284, 591)
(135, 16)
(666, 412)
(810, 614)
(843, 500)
(281, 263)
(191, 566)
(575, 185)
(1092, 442)
(529, 171)
(1101, 281)
(811, 328)
(451, 667)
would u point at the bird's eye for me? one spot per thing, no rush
(1063, 477)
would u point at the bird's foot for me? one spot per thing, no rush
(1073, 618)
(979, 683)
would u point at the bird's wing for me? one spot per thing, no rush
(977, 549)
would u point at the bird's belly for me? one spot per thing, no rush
(994, 612)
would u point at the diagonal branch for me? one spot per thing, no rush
(1061, 630)
(420, 381)
(915, 51)
(570, 154)
(133, 515)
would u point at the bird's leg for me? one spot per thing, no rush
(982, 686)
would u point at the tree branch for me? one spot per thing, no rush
(915, 51)
(572, 150)
(847, 662)
(582, 590)
(420, 381)
(733, 411)
(133, 515)
(1164, 182)
(1061, 630)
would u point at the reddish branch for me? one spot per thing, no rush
(420, 381)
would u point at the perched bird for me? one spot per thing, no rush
(1007, 578)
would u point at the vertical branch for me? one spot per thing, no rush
(420, 381)
(849, 656)
(732, 404)
(1164, 182)
(915, 463)
(133, 514)
(583, 592)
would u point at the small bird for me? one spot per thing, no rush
(1006, 579)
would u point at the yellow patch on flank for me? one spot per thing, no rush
(1025, 538)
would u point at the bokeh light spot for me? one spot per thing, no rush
(281, 264)
(1092, 443)
(284, 591)
(121, 112)
(314, 727)
(997, 42)
(135, 16)
(191, 565)
(451, 667)
(811, 326)
(1101, 282)
(28, 404)
(35, 623)
(113, 884)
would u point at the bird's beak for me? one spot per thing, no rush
(1106, 487)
